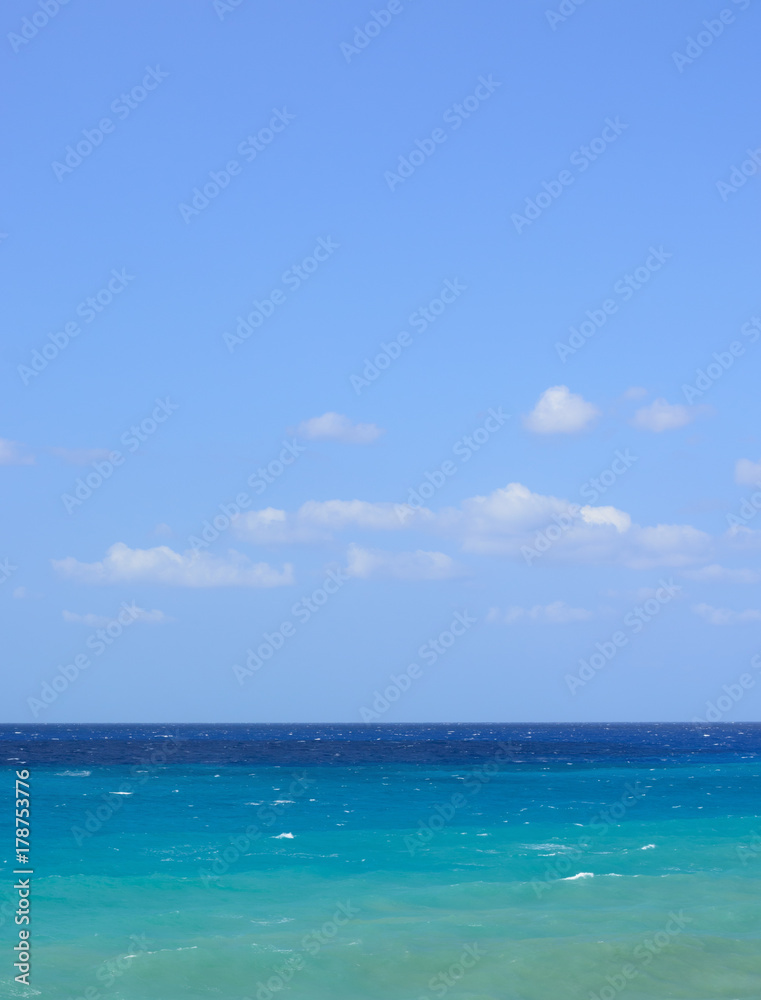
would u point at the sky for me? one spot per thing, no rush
(381, 364)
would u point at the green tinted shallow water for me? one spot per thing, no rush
(390, 881)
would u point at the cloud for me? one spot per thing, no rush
(723, 616)
(11, 455)
(635, 392)
(720, 574)
(366, 563)
(318, 520)
(162, 565)
(559, 411)
(557, 613)
(511, 521)
(662, 416)
(336, 427)
(748, 473)
(101, 621)
(80, 456)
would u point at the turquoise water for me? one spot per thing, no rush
(357, 862)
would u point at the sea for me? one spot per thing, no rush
(385, 862)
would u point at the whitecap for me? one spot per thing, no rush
(73, 774)
(279, 836)
(572, 878)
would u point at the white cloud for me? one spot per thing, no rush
(559, 411)
(663, 416)
(80, 456)
(11, 455)
(723, 616)
(506, 522)
(162, 565)
(720, 574)
(365, 563)
(318, 520)
(337, 427)
(101, 621)
(557, 613)
(748, 473)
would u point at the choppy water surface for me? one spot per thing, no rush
(393, 862)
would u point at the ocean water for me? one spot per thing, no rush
(391, 862)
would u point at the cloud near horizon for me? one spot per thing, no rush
(511, 521)
(122, 564)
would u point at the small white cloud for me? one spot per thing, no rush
(723, 616)
(663, 416)
(720, 574)
(337, 427)
(162, 565)
(748, 473)
(635, 392)
(10, 454)
(559, 411)
(101, 621)
(557, 613)
(619, 519)
(80, 456)
(419, 565)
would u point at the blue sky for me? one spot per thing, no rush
(284, 264)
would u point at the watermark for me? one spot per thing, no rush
(95, 819)
(722, 362)
(625, 287)
(379, 19)
(7, 569)
(634, 621)
(258, 481)
(302, 611)
(732, 694)
(429, 652)
(643, 955)
(311, 944)
(293, 278)
(103, 469)
(710, 30)
(420, 320)
(248, 149)
(443, 981)
(267, 816)
(68, 674)
(443, 813)
(222, 7)
(87, 310)
(454, 116)
(751, 850)
(591, 490)
(599, 825)
(739, 175)
(23, 887)
(465, 448)
(122, 107)
(109, 971)
(30, 26)
(581, 158)
(564, 11)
